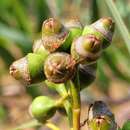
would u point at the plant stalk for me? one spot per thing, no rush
(61, 89)
(75, 105)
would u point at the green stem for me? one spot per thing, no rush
(61, 101)
(75, 105)
(61, 89)
(120, 24)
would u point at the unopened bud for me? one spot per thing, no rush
(86, 49)
(59, 67)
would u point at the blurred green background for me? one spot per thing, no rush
(20, 25)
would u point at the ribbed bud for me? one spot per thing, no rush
(103, 29)
(42, 108)
(59, 67)
(28, 68)
(100, 117)
(54, 34)
(87, 74)
(86, 49)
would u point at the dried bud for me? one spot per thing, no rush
(102, 29)
(100, 117)
(87, 74)
(59, 67)
(43, 108)
(86, 49)
(28, 68)
(54, 34)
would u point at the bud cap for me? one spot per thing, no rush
(59, 67)
(106, 27)
(86, 48)
(51, 26)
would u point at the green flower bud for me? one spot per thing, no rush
(103, 29)
(100, 117)
(87, 74)
(43, 108)
(54, 34)
(86, 49)
(59, 67)
(28, 68)
(75, 30)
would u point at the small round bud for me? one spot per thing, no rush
(51, 26)
(86, 49)
(103, 29)
(43, 108)
(59, 67)
(87, 74)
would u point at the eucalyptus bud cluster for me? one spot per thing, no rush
(62, 50)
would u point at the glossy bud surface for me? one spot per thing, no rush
(42, 108)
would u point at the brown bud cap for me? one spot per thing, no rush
(52, 43)
(19, 69)
(29, 68)
(106, 27)
(51, 26)
(54, 34)
(59, 67)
